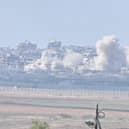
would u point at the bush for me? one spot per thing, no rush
(37, 124)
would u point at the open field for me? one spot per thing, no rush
(61, 111)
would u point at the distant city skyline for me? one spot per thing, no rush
(77, 22)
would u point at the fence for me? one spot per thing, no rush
(14, 91)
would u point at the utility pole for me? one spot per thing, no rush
(95, 124)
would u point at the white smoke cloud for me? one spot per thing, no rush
(111, 57)
(72, 60)
(52, 62)
(44, 63)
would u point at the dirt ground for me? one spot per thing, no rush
(18, 112)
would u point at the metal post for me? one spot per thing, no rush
(96, 118)
(96, 123)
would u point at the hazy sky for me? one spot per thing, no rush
(71, 21)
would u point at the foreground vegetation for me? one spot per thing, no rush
(37, 124)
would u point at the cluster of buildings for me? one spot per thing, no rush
(56, 65)
(15, 59)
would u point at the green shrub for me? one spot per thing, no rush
(37, 124)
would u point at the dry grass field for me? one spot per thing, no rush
(61, 112)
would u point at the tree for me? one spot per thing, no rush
(37, 124)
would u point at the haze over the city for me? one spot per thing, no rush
(76, 39)
(65, 64)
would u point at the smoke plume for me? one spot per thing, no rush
(110, 56)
